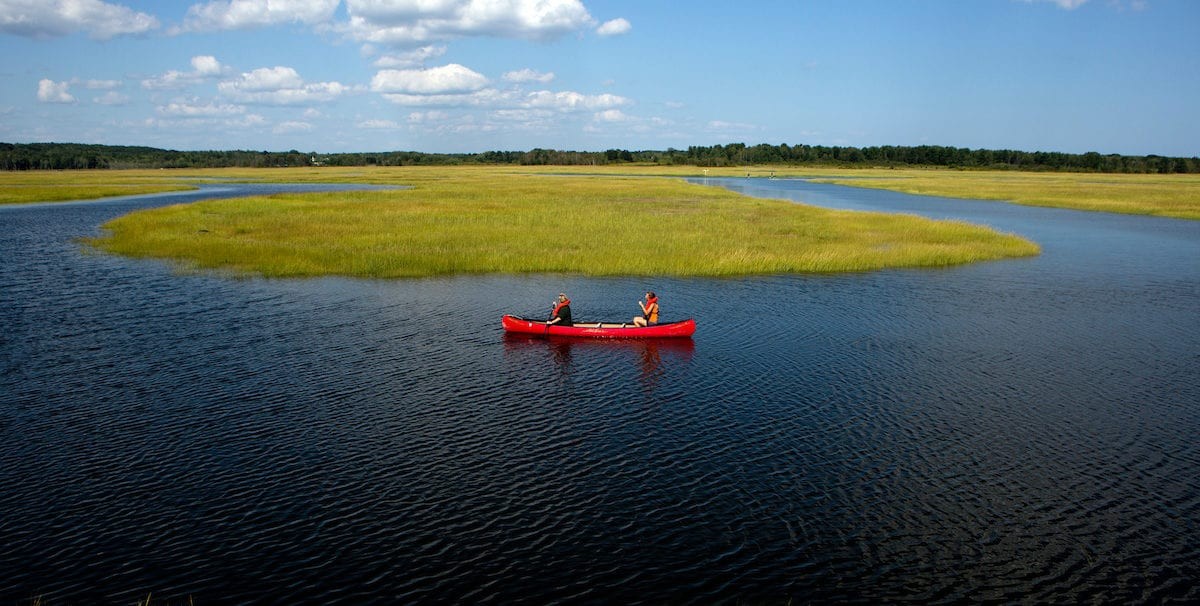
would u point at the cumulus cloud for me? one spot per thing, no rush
(488, 97)
(203, 68)
(408, 22)
(447, 79)
(503, 103)
(53, 18)
(528, 75)
(246, 14)
(566, 101)
(280, 86)
(409, 59)
(615, 27)
(206, 66)
(50, 91)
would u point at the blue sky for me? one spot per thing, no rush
(1113, 76)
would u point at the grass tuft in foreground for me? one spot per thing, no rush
(478, 221)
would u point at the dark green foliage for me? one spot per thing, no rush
(60, 156)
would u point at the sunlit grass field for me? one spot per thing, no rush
(1176, 196)
(479, 220)
(56, 186)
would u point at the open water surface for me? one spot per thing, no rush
(1019, 430)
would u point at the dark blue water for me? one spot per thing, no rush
(1010, 431)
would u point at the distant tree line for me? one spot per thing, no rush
(67, 156)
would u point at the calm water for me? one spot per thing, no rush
(1012, 430)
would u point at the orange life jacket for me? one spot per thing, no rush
(560, 305)
(651, 314)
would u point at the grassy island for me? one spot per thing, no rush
(477, 220)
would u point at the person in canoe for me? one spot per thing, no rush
(649, 311)
(562, 311)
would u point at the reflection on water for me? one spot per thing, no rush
(654, 358)
(1002, 432)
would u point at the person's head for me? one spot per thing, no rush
(562, 296)
(650, 294)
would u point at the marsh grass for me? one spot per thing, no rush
(490, 220)
(1175, 196)
(58, 186)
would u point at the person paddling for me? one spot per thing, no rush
(649, 311)
(562, 311)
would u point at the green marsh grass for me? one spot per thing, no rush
(482, 220)
(1175, 196)
(58, 186)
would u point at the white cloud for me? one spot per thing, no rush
(429, 116)
(245, 14)
(1065, 4)
(112, 97)
(207, 65)
(488, 97)
(269, 79)
(52, 18)
(203, 67)
(280, 86)
(102, 84)
(291, 126)
(511, 104)
(406, 22)
(573, 101)
(615, 27)
(50, 91)
(447, 79)
(722, 125)
(413, 58)
(378, 124)
(529, 75)
(611, 115)
(196, 110)
(174, 123)
(523, 115)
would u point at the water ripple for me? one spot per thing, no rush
(1003, 432)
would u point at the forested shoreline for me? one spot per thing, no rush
(78, 156)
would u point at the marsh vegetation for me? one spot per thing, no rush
(487, 220)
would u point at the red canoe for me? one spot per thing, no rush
(600, 330)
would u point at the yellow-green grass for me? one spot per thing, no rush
(1176, 196)
(470, 220)
(58, 186)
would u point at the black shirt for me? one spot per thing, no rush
(564, 312)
